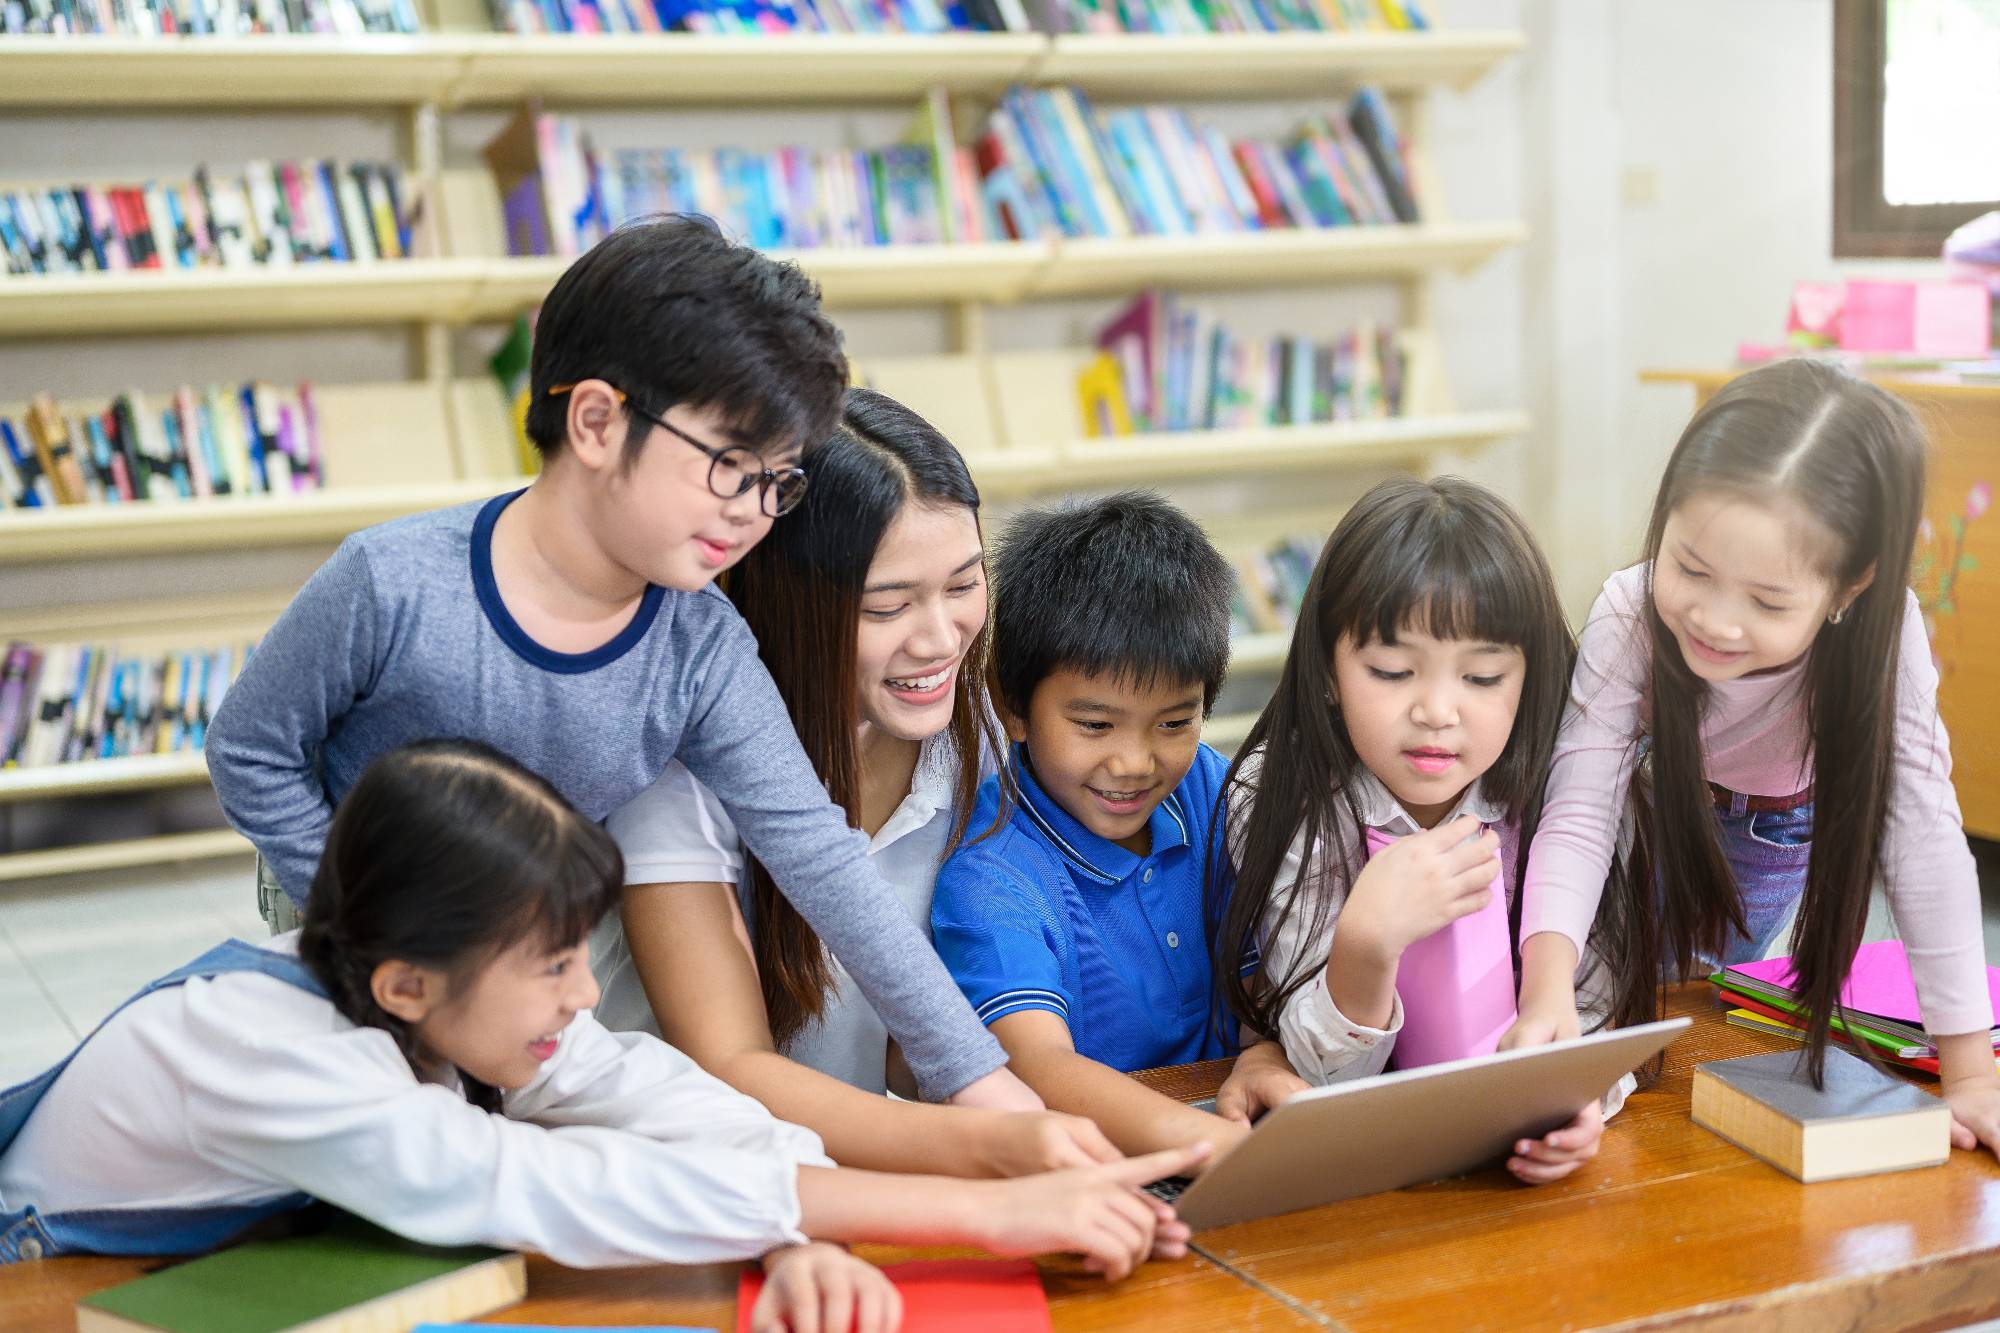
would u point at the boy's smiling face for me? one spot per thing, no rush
(1107, 751)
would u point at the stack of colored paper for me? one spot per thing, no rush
(1878, 1003)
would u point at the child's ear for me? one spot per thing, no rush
(1015, 727)
(596, 424)
(405, 990)
(1856, 588)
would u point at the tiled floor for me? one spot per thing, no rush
(72, 948)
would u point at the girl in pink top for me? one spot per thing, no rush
(1378, 801)
(1770, 664)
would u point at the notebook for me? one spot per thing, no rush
(1860, 1123)
(949, 1296)
(350, 1277)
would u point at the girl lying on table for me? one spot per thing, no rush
(420, 1054)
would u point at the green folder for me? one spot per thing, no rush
(349, 1269)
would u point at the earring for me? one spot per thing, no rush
(1835, 616)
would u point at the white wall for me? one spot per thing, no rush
(1695, 185)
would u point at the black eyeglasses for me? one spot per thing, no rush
(732, 469)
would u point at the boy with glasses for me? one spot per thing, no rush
(677, 382)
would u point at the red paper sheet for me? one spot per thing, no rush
(949, 1296)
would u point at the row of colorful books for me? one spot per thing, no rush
(66, 702)
(560, 195)
(802, 199)
(206, 18)
(1198, 16)
(1878, 1002)
(758, 17)
(271, 214)
(347, 18)
(1054, 166)
(1048, 164)
(254, 440)
(1164, 364)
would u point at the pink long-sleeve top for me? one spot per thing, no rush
(1754, 741)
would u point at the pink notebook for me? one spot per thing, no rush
(1879, 983)
(1457, 985)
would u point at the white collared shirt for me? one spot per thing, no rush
(1323, 1044)
(676, 832)
(244, 1088)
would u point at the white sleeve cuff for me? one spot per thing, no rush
(1324, 1046)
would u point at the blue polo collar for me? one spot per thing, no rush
(1093, 857)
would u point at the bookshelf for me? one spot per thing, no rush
(444, 436)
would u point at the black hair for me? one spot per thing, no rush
(1445, 557)
(446, 853)
(1125, 586)
(670, 311)
(1851, 455)
(800, 592)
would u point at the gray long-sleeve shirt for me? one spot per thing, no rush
(402, 635)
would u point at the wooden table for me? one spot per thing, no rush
(1957, 568)
(1670, 1227)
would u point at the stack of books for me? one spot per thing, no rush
(758, 17)
(206, 18)
(1052, 165)
(67, 702)
(1165, 365)
(1196, 16)
(209, 443)
(1879, 1000)
(269, 214)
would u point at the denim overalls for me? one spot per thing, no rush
(28, 1234)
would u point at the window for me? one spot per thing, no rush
(1916, 89)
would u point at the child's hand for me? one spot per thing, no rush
(998, 1091)
(1561, 1151)
(1552, 1020)
(1023, 1143)
(1965, 1067)
(1095, 1211)
(1260, 1079)
(821, 1288)
(1422, 884)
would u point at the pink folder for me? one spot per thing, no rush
(1880, 982)
(1457, 985)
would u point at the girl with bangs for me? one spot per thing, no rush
(1379, 807)
(421, 1054)
(869, 609)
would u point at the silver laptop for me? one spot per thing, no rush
(1412, 1126)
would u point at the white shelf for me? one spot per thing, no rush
(276, 70)
(94, 777)
(1162, 455)
(1259, 652)
(461, 291)
(1279, 257)
(81, 532)
(487, 69)
(167, 301)
(82, 858)
(669, 68)
(1269, 64)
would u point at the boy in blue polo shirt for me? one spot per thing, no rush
(1079, 927)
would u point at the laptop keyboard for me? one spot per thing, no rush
(1171, 1188)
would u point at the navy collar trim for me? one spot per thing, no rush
(509, 629)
